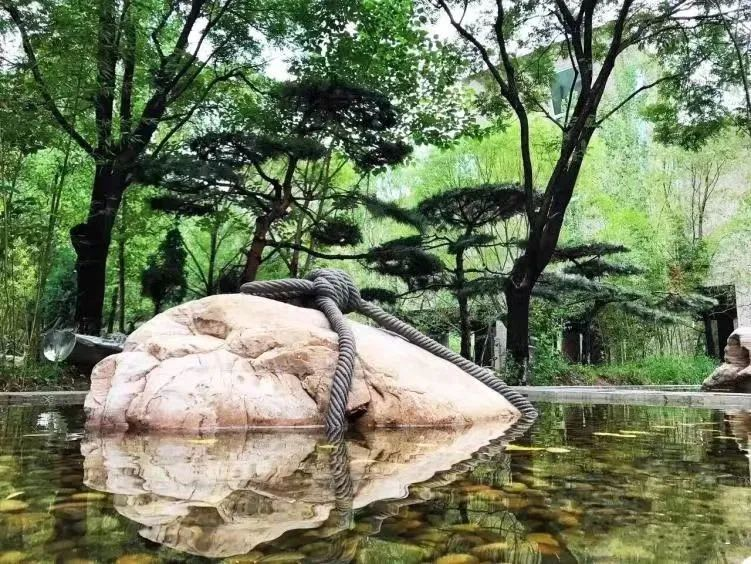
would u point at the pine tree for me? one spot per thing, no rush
(589, 282)
(163, 280)
(304, 126)
(455, 225)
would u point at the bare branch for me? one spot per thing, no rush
(187, 115)
(635, 93)
(479, 47)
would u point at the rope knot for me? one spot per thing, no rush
(337, 285)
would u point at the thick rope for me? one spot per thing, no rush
(334, 293)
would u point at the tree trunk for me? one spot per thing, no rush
(464, 328)
(121, 266)
(294, 263)
(257, 246)
(112, 313)
(517, 338)
(213, 249)
(91, 241)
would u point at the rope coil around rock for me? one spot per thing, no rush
(334, 293)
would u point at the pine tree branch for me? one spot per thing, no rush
(317, 254)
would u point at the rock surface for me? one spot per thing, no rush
(224, 495)
(734, 375)
(235, 361)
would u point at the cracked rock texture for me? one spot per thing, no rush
(235, 361)
(734, 375)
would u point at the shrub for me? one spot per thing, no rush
(552, 369)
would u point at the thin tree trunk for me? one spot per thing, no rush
(112, 312)
(121, 265)
(294, 263)
(465, 330)
(213, 249)
(45, 258)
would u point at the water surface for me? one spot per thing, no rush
(584, 484)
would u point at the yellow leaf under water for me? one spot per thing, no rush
(202, 441)
(558, 450)
(619, 435)
(522, 448)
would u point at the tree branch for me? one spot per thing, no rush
(317, 254)
(634, 94)
(49, 102)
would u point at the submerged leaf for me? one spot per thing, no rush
(619, 435)
(558, 450)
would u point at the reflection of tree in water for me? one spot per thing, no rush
(641, 493)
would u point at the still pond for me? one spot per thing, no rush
(584, 484)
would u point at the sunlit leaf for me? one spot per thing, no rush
(521, 448)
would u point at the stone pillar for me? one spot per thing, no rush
(500, 346)
(743, 305)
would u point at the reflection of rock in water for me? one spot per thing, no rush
(224, 495)
(740, 426)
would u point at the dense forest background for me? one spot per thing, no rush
(152, 153)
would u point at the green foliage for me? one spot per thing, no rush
(553, 370)
(381, 209)
(366, 81)
(164, 278)
(470, 208)
(59, 298)
(387, 46)
(339, 232)
(41, 376)
(404, 259)
(658, 371)
(381, 295)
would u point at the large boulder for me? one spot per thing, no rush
(237, 361)
(734, 375)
